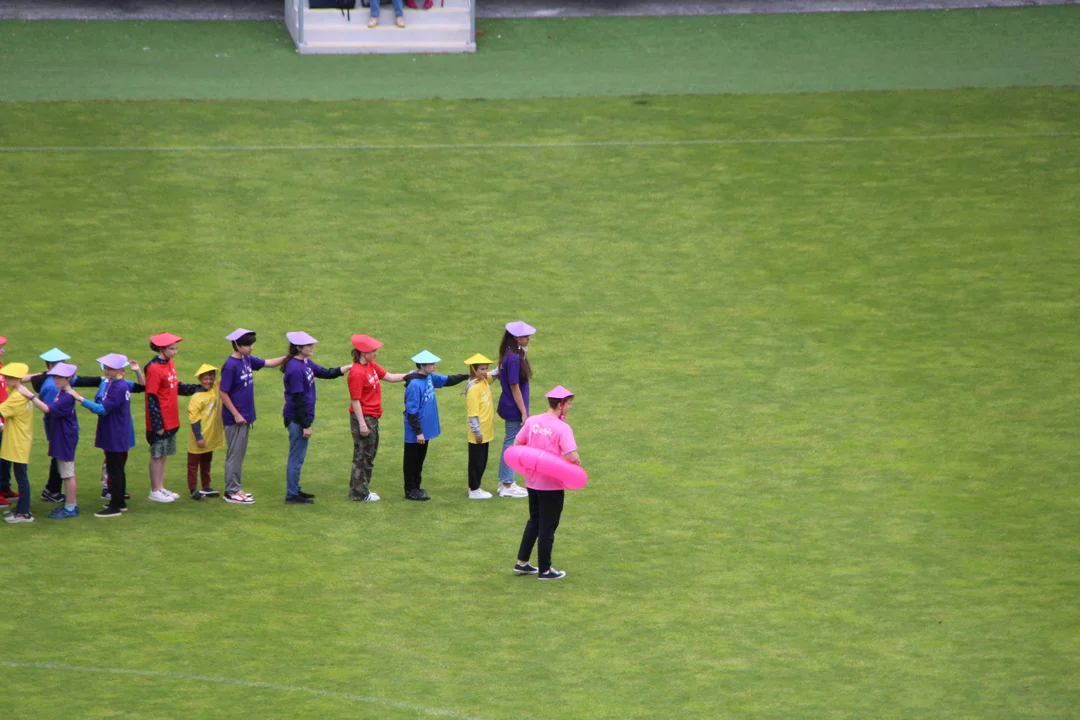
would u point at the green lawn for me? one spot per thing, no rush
(827, 393)
(66, 60)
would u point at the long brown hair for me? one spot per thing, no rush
(290, 356)
(509, 345)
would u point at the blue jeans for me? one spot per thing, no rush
(506, 475)
(398, 10)
(297, 452)
(23, 506)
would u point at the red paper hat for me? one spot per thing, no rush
(165, 339)
(365, 343)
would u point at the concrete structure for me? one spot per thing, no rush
(449, 27)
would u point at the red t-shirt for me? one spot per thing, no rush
(3, 386)
(161, 381)
(364, 386)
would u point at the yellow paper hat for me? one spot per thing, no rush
(205, 369)
(15, 370)
(478, 359)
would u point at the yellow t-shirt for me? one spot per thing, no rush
(18, 415)
(478, 404)
(205, 407)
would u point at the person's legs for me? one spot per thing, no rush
(298, 445)
(551, 506)
(192, 471)
(237, 438)
(23, 481)
(506, 474)
(477, 463)
(157, 471)
(375, 8)
(370, 447)
(55, 483)
(5, 469)
(71, 488)
(114, 462)
(358, 487)
(528, 538)
(205, 461)
(413, 465)
(398, 9)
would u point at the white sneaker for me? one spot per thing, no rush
(160, 496)
(372, 497)
(512, 490)
(479, 494)
(170, 493)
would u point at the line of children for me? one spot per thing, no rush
(234, 399)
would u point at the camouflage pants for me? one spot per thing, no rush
(363, 459)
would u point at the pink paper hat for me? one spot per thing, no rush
(299, 337)
(165, 339)
(520, 329)
(366, 343)
(63, 369)
(237, 334)
(114, 361)
(558, 393)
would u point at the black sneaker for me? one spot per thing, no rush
(299, 500)
(209, 492)
(525, 569)
(418, 495)
(552, 574)
(106, 512)
(47, 496)
(196, 495)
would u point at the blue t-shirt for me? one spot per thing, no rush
(510, 374)
(237, 379)
(300, 377)
(420, 400)
(63, 427)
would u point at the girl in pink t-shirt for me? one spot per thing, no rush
(548, 432)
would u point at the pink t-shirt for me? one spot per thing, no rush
(550, 434)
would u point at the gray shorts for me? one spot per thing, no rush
(164, 447)
(66, 468)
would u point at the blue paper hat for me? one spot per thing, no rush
(55, 355)
(425, 357)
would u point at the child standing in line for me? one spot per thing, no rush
(237, 391)
(299, 411)
(63, 435)
(115, 430)
(422, 419)
(365, 410)
(162, 411)
(481, 413)
(18, 414)
(514, 375)
(207, 433)
(95, 407)
(6, 493)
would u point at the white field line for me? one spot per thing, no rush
(241, 683)
(536, 145)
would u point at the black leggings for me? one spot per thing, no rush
(114, 466)
(545, 509)
(478, 457)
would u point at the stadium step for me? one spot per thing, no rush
(443, 29)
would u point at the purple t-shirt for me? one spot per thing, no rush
(63, 428)
(509, 374)
(238, 381)
(115, 432)
(300, 377)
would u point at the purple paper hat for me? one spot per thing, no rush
(558, 393)
(114, 361)
(237, 334)
(520, 329)
(63, 369)
(299, 337)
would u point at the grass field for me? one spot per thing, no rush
(827, 387)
